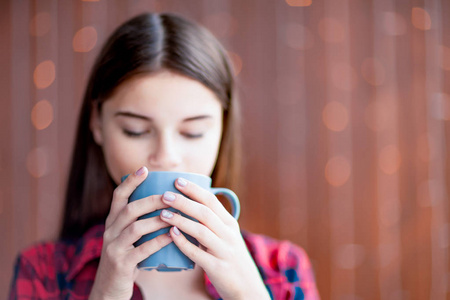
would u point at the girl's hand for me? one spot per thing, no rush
(116, 272)
(225, 257)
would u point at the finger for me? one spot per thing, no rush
(143, 251)
(200, 232)
(199, 256)
(136, 230)
(129, 214)
(123, 192)
(196, 210)
(203, 196)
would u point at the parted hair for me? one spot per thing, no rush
(146, 44)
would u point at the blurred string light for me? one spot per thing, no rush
(394, 24)
(37, 162)
(420, 18)
(331, 30)
(389, 159)
(335, 116)
(299, 37)
(44, 74)
(236, 61)
(40, 24)
(337, 171)
(299, 3)
(85, 39)
(373, 71)
(42, 114)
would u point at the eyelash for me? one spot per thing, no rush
(133, 134)
(193, 136)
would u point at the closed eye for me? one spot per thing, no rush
(134, 133)
(193, 136)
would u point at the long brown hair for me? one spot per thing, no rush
(145, 44)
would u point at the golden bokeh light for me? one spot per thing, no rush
(44, 74)
(331, 30)
(299, 3)
(37, 162)
(42, 114)
(299, 37)
(394, 24)
(237, 62)
(40, 24)
(389, 159)
(85, 39)
(344, 76)
(337, 171)
(335, 116)
(445, 56)
(373, 71)
(420, 18)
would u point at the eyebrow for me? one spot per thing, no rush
(142, 117)
(131, 115)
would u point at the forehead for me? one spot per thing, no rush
(164, 93)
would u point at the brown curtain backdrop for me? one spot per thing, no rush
(346, 108)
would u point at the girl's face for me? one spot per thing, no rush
(164, 121)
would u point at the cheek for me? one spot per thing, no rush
(206, 155)
(121, 157)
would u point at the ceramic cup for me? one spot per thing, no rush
(170, 258)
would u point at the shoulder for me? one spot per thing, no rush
(46, 258)
(276, 254)
(284, 267)
(37, 270)
(50, 268)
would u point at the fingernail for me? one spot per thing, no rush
(181, 182)
(140, 171)
(166, 214)
(168, 196)
(175, 230)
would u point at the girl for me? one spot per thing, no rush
(160, 97)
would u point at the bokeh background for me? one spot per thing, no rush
(346, 108)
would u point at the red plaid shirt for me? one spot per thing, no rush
(66, 269)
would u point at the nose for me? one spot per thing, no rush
(165, 155)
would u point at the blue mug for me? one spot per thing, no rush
(170, 258)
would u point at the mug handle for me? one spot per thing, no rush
(232, 197)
